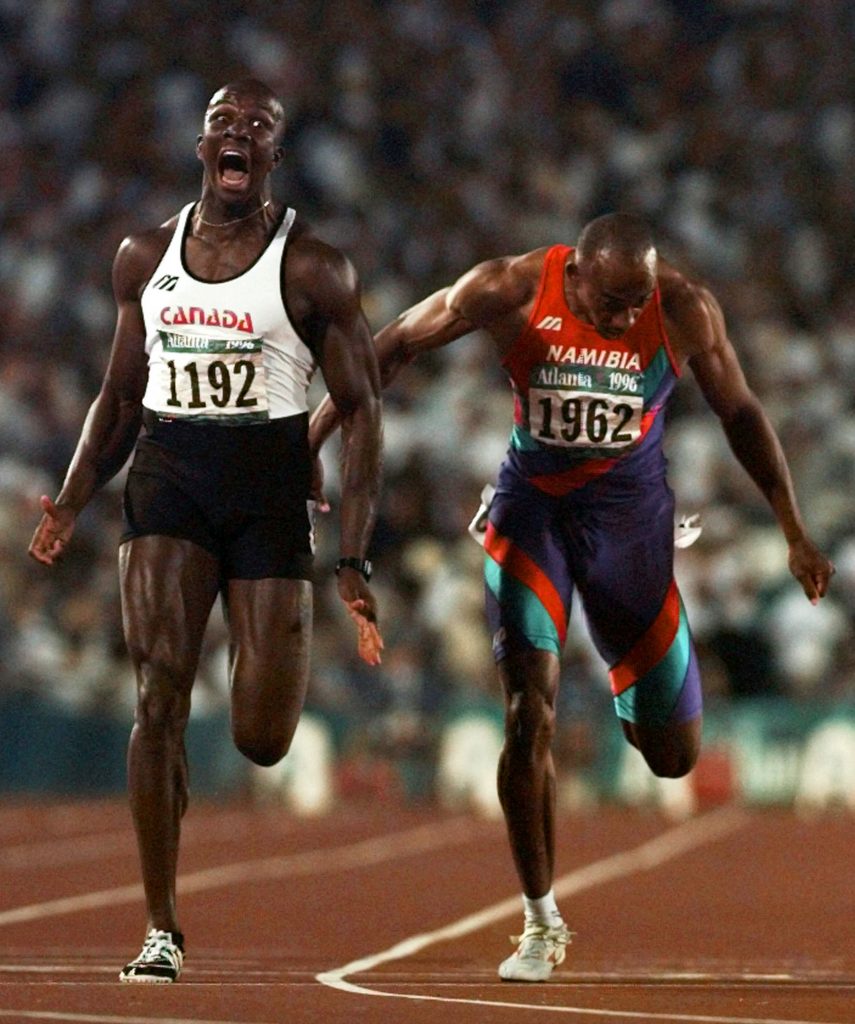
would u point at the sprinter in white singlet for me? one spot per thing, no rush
(224, 314)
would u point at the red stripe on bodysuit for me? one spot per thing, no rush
(571, 479)
(516, 562)
(652, 647)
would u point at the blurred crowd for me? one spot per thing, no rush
(423, 136)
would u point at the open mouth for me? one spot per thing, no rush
(234, 168)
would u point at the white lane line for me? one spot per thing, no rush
(579, 979)
(235, 977)
(656, 851)
(114, 843)
(365, 853)
(92, 1018)
(653, 853)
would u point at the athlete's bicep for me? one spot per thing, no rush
(489, 291)
(344, 347)
(349, 365)
(721, 379)
(127, 368)
(699, 328)
(482, 296)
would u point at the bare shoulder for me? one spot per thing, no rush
(498, 287)
(321, 288)
(693, 316)
(680, 293)
(137, 258)
(309, 255)
(316, 272)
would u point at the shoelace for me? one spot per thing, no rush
(543, 934)
(157, 947)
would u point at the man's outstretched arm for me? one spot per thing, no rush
(701, 332)
(430, 324)
(483, 296)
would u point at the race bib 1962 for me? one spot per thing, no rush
(585, 407)
(212, 378)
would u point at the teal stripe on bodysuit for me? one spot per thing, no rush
(521, 606)
(655, 370)
(522, 441)
(653, 697)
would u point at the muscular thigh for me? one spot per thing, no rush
(622, 560)
(168, 586)
(528, 586)
(270, 633)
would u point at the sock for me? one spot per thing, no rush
(544, 909)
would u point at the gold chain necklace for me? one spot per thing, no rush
(237, 220)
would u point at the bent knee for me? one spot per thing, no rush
(671, 765)
(262, 750)
(264, 747)
(671, 752)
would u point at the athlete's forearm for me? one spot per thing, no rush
(324, 421)
(107, 439)
(361, 456)
(326, 418)
(755, 444)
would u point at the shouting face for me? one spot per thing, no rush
(239, 145)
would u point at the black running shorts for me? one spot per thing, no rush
(241, 492)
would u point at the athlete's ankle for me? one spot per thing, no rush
(542, 909)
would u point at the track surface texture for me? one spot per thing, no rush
(381, 913)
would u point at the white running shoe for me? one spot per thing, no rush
(160, 960)
(541, 947)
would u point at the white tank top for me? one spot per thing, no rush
(223, 352)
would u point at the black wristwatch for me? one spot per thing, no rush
(360, 564)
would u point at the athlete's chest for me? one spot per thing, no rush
(578, 393)
(179, 296)
(216, 264)
(222, 350)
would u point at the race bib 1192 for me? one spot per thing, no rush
(211, 379)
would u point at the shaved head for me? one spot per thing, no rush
(243, 88)
(613, 274)
(622, 236)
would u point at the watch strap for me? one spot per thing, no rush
(362, 565)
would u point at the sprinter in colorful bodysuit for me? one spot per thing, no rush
(593, 339)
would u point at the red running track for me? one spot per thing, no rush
(386, 914)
